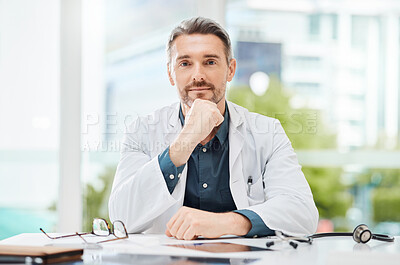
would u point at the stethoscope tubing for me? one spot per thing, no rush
(380, 237)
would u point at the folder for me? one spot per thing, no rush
(38, 254)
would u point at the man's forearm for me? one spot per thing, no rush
(181, 149)
(237, 224)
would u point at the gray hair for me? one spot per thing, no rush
(200, 25)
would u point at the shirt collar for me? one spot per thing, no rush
(222, 133)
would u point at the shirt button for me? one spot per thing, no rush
(171, 176)
(204, 149)
(205, 185)
(179, 175)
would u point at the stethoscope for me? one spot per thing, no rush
(361, 234)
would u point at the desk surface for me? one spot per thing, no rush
(339, 250)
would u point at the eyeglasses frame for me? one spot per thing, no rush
(92, 232)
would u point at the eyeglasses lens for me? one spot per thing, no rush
(119, 229)
(100, 227)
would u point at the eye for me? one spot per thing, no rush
(183, 64)
(211, 62)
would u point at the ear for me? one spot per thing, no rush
(231, 70)
(171, 80)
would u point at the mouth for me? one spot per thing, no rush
(199, 88)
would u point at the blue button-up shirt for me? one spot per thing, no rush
(207, 184)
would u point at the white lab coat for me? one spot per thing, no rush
(258, 147)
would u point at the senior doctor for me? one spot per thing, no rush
(205, 166)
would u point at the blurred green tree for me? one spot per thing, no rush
(96, 198)
(306, 130)
(385, 201)
(304, 127)
(386, 194)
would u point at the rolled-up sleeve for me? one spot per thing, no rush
(258, 227)
(169, 170)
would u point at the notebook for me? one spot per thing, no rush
(38, 255)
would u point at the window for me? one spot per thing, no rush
(342, 89)
(314, 24)
(29, 115)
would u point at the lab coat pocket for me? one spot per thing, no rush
(256, 192)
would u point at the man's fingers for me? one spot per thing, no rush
(167, 233)
(176, 216)
(175, 227)
(218, 118)
(189, 223)
(186, 108)
(171, 221)
(219, 121)
(189, 234)
(182, 230)
(201, 118)
(176, 221)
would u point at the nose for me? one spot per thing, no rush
(198, 74)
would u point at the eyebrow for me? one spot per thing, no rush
(205, 56)
(182, 57)
(211, 56)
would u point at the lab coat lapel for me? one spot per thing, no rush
(236, 140)
(174, 123)
(174, 128)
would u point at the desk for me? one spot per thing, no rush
(339, 250)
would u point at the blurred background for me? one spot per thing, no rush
(74, 73)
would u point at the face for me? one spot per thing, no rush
(199, 69)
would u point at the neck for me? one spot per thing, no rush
(221, 106)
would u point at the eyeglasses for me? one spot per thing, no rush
(100, 227)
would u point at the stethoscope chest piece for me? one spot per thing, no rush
(362, 234)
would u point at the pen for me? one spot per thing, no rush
(249, 183)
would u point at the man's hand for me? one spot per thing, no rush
(200, 121)
(189, 223)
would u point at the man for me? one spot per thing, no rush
(207, 167)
